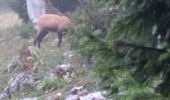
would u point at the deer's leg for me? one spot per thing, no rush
(39, 31)
(41, 36)
(35, 38)
(59, 39)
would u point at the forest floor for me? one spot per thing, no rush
(49, 56)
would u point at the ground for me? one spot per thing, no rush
(49, 56)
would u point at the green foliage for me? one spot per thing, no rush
(164, 56)
(47, 85)
(127, 55)
(141, 93)
(19, 6)
(26, 30)
(90, 18)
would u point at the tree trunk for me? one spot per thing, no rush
(35, 8)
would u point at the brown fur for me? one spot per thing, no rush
(51, 22)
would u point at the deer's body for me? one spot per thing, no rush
(51, 22)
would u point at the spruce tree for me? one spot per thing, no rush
(133, 59)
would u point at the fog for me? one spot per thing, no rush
(3, 6)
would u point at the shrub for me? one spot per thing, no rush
(26, 30)
(51, 85)
(91, 20)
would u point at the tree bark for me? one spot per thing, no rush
(35, 8)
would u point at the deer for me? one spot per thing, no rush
(51, 23)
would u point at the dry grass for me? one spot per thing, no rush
(10, 42)
(8, 20)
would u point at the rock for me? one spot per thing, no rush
(35, 98)
(94, 96)
(69, 54)
(54, 42)
(54, 97)
(59, 94)
(63, 71)
(72, 97)
(16, 84)
(80, 91)
(75, 90)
